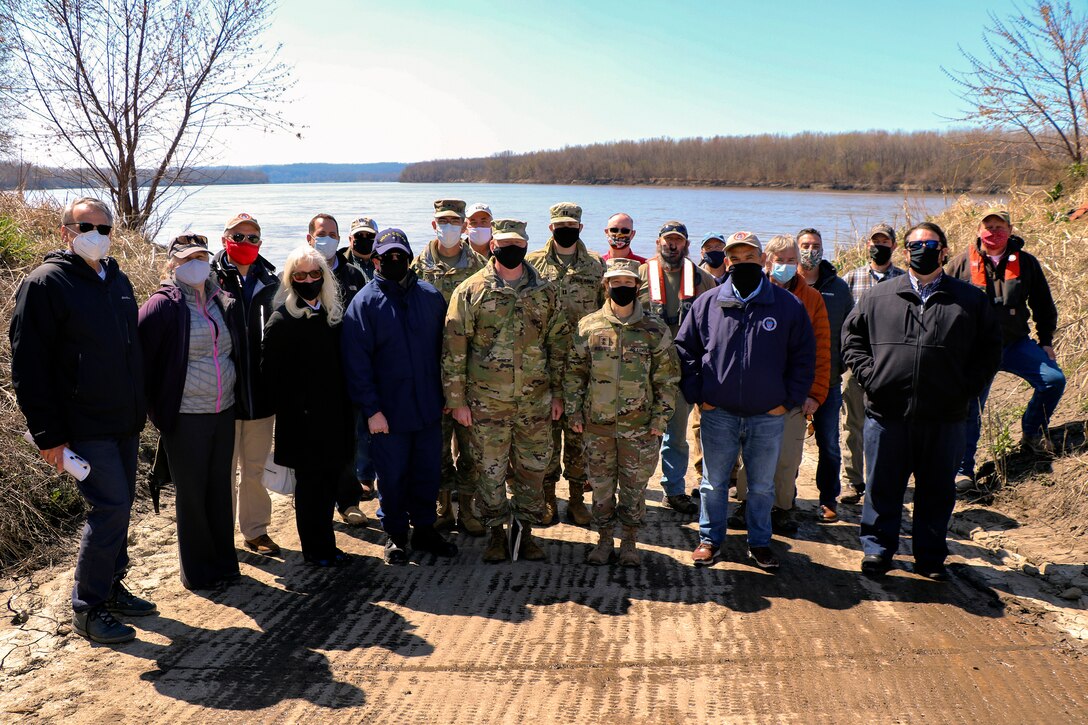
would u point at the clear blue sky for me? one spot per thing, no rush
(406, 80)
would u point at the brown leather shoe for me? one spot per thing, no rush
(826, 515)
(704, 554)
(263, 545)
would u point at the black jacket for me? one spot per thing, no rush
(350, 278)
(839, 301)
(923, 365)
(1012, 297)
(75, 356)
(251, 402)
(302, 369)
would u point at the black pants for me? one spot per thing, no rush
(201, 454)
(349, 492)
(315, 495)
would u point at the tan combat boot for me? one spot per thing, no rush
(629, 555)
(445, 512)
(577, 512)
(530, 550)
(601, 554)
(466, 519)
(496, 546)
(551, 510)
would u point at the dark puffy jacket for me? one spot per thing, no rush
(300, 363)
(392, 350)
(839, 301)
(350, 278)
(76, 363)
(250, 401)
(924, 364)
(164, 336)
(1014, 285)
(746, 358)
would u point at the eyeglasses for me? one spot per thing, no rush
(928, 244)
(618, 230)
(84, 227)
(191, 239)
(248, 238)
(312, 274)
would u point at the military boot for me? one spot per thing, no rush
(445, 512)
(530, 550)
(551, 510)
(629, 555)
(466, 519)
(496, 550)
(577, 513)
(602, 553)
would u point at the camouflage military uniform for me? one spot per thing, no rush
(579, 286)
(503, 356)
(621, 382)
(446, 274)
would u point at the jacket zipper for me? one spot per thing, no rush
(917, 356)
(215, 355)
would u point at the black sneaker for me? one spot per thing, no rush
(739, 518)
(852, 495)
(395, 554)
(124, 602)
(936, 572)
(427, 539)
(682, 503)
(782, 522)
(98, 625)
(763, 557)
(874, 565)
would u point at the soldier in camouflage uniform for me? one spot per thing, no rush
(621, 385)
(576, 274)
(446, 262)
(502, 369)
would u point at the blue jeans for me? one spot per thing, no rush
(674, 449)
(109, 490)
(825, 422)
(758, 438)
(1025, 359)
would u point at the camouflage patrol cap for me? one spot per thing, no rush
(882, 228)
(566, 211)
(739, 238)
(364, 224)
(449, 207)
(508, 229)
(1000, 212)
(621, 267)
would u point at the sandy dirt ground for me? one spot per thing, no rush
(460, 641)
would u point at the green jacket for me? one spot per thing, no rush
(504, 343)
(444, 275)
(578, 284)
(621, 374)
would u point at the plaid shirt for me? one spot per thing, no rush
(863, 279)
(925, 290)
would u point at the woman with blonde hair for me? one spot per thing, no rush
(301, 365)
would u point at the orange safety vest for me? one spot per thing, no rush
(656, 278)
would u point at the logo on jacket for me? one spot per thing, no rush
(770, 324)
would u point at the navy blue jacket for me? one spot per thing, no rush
(746, 358)
(392, 347)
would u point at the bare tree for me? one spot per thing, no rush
(136, 90)
(1030, 83)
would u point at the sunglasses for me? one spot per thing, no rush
(302, 276)
(619, 230)
(248, 238)
(362, 236)
(84, 227)
(928, 244)
(191, 239)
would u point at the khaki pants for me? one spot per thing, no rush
(252, 505)
(789, 461)
(853, 452)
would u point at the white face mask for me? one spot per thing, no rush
(479, 235)
(194, 272)
(449, 235)
(91, 245)
(327, 246)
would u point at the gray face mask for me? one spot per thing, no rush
(811, 258)
(194, 272)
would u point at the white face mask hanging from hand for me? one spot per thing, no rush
(91, 245)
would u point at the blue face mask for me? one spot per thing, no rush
(783, 273)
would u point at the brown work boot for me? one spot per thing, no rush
(551, 510)
(629, 555)
(263, 545)
(577, 513)
(466, 519)
(445, 512)
(601, 554)
(530, 550)
(496, 550)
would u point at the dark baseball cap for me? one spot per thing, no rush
(673, 227)
(391, 238)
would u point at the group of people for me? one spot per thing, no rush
(460, 383)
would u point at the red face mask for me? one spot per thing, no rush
(241, 252)
(994, 241)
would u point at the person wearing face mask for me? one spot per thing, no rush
(241, 271)
(713, 261)
(478, 228)
(620, 233)
(503, 356)
(191, 345)
(922, 347)
(620, 385)
(1014, 282)
(781, 269)
(576, 274)
(361, 249)
(747, 357)
(301, 362)
(446, 262)
(77, 371)
(822, 276)
(669, 284)
(392, 349)
(861, 280)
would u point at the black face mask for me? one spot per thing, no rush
(623, 296)
(363, 246)
(510, 256)
(714, 258)
(394, 267)
(746, 276)
(566, 236)
(925, 261)
(880, 254)
(308, 290)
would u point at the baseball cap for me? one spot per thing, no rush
(998, 211)
(713, 236)
(739, 238)
(673, 227)
(621, 267)
(449, 207)
(565, 211)
(364, 224)
(391, 238)
(508, 229)
(882, 228)
(478, 207)
(186, 245)
(238, 219)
